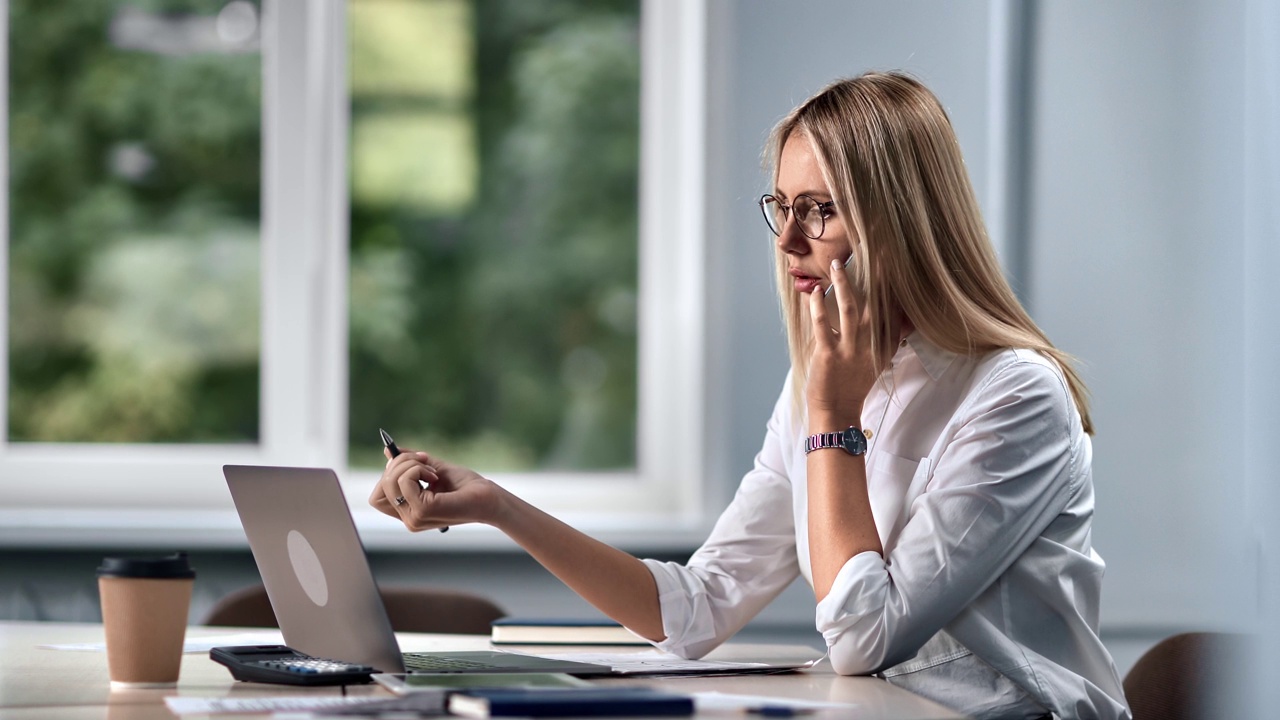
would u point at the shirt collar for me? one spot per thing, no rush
(934, 359)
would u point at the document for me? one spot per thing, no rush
(194, 645)
(180, 705)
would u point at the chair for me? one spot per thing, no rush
(410, 608)
(1184, 677)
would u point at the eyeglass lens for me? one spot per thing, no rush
(808, 215)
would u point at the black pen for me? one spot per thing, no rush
(390, 445)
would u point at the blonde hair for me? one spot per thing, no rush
(893, 164)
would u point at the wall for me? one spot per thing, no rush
(1137, 266)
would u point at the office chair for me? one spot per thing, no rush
(410, 608)
(1184, 677)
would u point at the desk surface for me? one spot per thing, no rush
(41, 684)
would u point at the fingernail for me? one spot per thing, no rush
(835, 264)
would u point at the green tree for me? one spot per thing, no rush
(133, 215)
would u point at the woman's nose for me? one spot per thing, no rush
(791, 240)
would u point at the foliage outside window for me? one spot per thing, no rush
(134, 182)
(494, 192)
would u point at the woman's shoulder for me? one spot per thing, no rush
(1023, 372)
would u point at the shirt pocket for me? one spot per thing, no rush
(892, 484)
(951, 675)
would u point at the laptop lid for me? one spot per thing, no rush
(313, 564)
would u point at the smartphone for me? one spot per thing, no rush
(829, 296)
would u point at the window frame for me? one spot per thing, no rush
(149, 495)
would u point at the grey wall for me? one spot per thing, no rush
(1137, 267)
(1262, 331)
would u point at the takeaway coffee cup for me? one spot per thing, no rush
(144, 612)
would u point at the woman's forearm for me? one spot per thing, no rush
(841, 524)
(616, 583)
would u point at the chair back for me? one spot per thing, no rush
(410, 608)
(1183, 677)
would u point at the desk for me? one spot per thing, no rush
(43, 684)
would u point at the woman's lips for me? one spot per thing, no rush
(804, 283)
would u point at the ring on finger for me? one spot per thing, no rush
(400, 501)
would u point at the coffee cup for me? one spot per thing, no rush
(145, 602)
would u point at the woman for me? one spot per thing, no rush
(931, 444)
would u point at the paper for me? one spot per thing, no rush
(724, 702)
(291, 703)
(653, 661)
(195, 645)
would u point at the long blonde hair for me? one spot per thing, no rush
(891, 159)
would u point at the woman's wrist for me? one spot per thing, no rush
(505, 508)
(830, 420)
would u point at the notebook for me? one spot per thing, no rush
(319, 582)
(561, 631)
(569, 702)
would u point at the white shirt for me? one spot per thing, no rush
(980, 481)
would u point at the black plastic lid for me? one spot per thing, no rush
(173, 566)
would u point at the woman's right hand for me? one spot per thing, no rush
(426, 493)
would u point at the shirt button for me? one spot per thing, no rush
(867, 433)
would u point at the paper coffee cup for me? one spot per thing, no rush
(144, 613)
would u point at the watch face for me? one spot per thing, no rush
(854, 442)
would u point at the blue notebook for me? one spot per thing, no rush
(569, 702)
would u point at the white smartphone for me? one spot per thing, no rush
(829, 297)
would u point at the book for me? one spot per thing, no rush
(610, 701)
(546, 631)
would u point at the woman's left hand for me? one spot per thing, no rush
(841, 369)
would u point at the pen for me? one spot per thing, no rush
(390, 445)
(778, 711)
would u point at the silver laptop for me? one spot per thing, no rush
(321, 588)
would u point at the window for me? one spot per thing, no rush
(277, 233)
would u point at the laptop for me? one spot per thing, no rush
(319, 582)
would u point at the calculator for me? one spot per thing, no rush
(283, 665)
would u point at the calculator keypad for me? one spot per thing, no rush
(313, 666)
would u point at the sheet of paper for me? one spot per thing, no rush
(292, 703)
(653, 661)
(724, 702)
(195, 644)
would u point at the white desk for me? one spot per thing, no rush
(44, 684)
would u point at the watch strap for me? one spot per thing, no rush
(822, 441)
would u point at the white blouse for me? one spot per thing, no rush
(986, 599)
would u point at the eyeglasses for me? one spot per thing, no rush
(811, 215)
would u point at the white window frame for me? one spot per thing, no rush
(144, 495)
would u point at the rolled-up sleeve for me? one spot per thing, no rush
(747, 560)
(1003, 476)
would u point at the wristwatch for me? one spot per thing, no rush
(851, 440)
